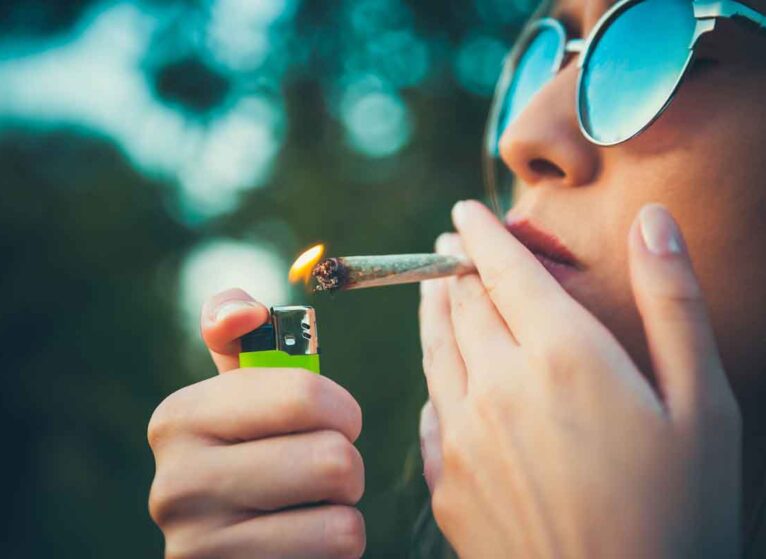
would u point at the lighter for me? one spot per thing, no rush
(288, 340)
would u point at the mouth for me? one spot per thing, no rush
(547, 248)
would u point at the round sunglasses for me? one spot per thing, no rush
(630, 66)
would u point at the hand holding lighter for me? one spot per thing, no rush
(289, 339)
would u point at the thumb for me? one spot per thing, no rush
(683, 349)
(225, 318)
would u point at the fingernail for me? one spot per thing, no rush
(451, 246)
(458, 212)
(659, 231)
(230, 307)
(441, 242)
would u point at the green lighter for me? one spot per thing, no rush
(288, 340)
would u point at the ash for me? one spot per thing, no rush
(330, 274)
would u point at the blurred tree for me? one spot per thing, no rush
(377, 134)
(90, 343)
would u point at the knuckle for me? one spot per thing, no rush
(157, 505)
(352, 416)
(309, 397)
(183, 547)
(340, 465)
(680, 307)
(172, 492)
(302, 396)
(453, 454)
(679, 300)
(496, 281)
(356, 419)
(554, 361)
(486, 404)
(471, 291)
(560, 355)
(560, 370)
(162, 502)
(168, 418)
(345, 532)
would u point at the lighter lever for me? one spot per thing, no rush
(289, 339)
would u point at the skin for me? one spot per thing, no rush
(702, 161)
(553, 442)
(535, 387)
(237, 453)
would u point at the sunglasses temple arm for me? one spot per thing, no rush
(730, 9)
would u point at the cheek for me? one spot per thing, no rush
(594, 221)
(618, 312)
(606, 291)
(720, 107)
(703, 159)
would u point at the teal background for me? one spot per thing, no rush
(134, 136)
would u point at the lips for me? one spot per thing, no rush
(545, 246)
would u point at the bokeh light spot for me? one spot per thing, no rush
(225, 263)
(238, 30)
(236, 154)
(369, 17)
(402, 57)
(505, 12)
(377, 123)
(478, 63)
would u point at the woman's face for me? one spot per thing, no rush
(704, 159)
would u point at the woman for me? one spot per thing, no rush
(595, 390)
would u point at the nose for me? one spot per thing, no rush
(544, 144)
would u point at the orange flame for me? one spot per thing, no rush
(301, 268)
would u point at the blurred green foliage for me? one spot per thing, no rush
(93, 244)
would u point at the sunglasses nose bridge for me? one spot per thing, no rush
(575, 47)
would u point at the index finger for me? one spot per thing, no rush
(251, 404)
(523, 291)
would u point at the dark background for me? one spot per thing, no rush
(152, 153)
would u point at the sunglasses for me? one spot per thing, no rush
(630, 66)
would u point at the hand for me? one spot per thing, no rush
(256, 462)
(552, 442)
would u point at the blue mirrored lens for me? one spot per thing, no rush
(633, 68)
(535, 67)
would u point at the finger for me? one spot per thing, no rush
(684, 354)
(480, 331)
(280, 472)
(523, 291)
(323, 532)
(430, 445)
(249, 404)
(442, 364)
(225, 318)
